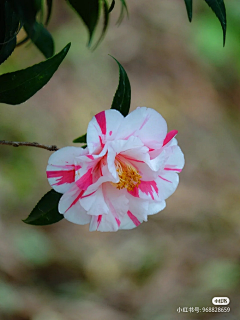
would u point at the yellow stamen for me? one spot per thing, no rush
(129, 177)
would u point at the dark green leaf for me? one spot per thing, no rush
(105, 23)
(188, 4)
(122, 98)
(46, 211)
(9, 25)
(49, 11)
(27, 9)
(17, 87)
(218, 8)
(82, 139)
(88, 10)
(111, 6)
(2, 21)
(123, 8)
(41, 38)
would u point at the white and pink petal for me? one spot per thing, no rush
(62, 168)
(101, 128)
(71, 208)
(103, 223)
(145, 123)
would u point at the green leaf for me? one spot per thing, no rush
(49, 11)
(27, 10)
(82, 139)
(122, 98)
(9, 26)
(105, 23)
(17, 87)
(88, 10)
(219, 9)
(41, 38)
(111, 6)
(46, 210)
(188, 4)
(123, 8)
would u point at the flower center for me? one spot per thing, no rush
(129, 177)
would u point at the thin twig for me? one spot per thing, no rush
(28, 144)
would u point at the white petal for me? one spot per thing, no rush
(147, 124)
(166, 183)
(62, 168)
(95, 204)
(116, 200)
(103, 223)
(69, 205)
(155, 206)
(130, 221)
(101, 128)
(138, 207)
(175, 158)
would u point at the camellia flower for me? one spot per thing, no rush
(129, 168)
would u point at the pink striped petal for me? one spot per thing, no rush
(147, 124)
(129, 221)
(104, 223)
(62, 167)
(103, 128)
(146, 190)
(85, 181)
(170, 136)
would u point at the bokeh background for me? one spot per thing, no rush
(183, 256)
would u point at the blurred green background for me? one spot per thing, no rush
(183, 256)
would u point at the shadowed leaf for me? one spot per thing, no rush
(9, 26)
(17, 87)
(123, 8)
(188, 4)
(46, 210)
(82, 139)
(49, 11)
(122, 98)
(218, 8)
(88, 10)
(111, 6)
(105, 23)
(41, 38)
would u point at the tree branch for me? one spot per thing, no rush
(28, 144)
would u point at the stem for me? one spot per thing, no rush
(28, 144)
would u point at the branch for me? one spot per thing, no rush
(28, 144)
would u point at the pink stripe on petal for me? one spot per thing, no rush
(63, 175)
(85, 181)
(75, 200)
(77, 167)
(102, 144)
(99, 219)
(118, 221)
(88, 195)
(134, 192)
(144, 122)
(133, 218)
(173, 169)
(165, 179)
(110, 133)
(147, 187)
(90, 157)
(101, 120)
(170, 135)
(131, 159)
